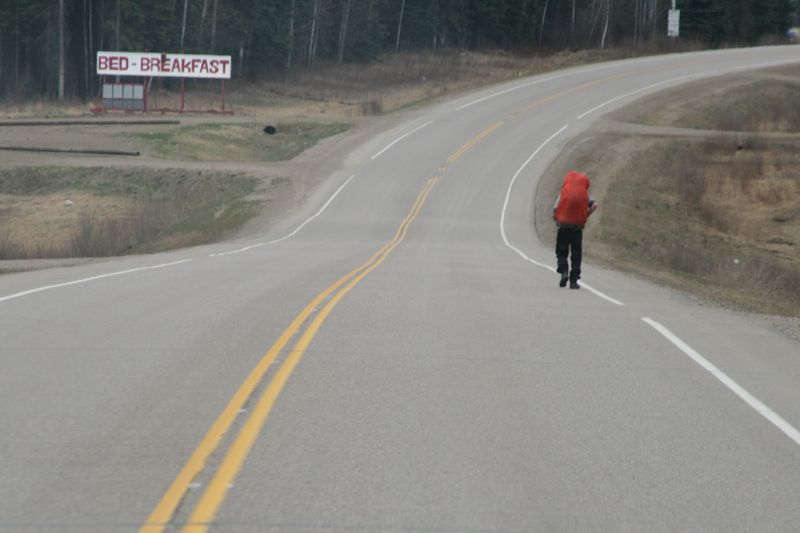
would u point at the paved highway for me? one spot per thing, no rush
(398, 356)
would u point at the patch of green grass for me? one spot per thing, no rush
(235, 142)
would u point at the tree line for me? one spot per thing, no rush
(47, 47)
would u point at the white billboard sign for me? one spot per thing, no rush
(163, 65)
(674, 23)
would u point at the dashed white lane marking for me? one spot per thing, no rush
(412, 132)
(93, 278)
(737, 389)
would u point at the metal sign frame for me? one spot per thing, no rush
(145, 66)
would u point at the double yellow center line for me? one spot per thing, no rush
(475, 140)
(214, 494)
(233, 460)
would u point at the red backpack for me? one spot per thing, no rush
(573, 202)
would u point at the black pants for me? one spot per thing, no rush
(569, 241)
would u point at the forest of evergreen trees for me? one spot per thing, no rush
(267, 36)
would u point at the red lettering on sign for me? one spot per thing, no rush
(148, 64)
(118, 63)
(113, 63)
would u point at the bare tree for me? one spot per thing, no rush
(214, 25)
(605, 27)
(203, 15)
(91, 45)
(119, 18)
(343, 28)
(596, 7)
(16, 50)
(572, 26)
(183, 24)
(399, 26)
(653, 15)
(544, 17)
(60, 49)
(102, 24)
(85, 52)
(314, 34)
(292, 13)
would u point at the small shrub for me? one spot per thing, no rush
(372, 107)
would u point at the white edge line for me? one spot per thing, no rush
(174, 263)
(626, 95)
(292, 234)
(511, 186)
(415, 130)
(93, 278)
(737, 389)
(315, 215)
(601, 294)
(240, 250)
(503, 220)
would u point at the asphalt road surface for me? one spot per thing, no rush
(403, 360)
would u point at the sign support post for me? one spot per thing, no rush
(130, 97)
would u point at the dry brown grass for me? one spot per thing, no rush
(397, 81)
(73, 212)
(43, 226)
(724, 221)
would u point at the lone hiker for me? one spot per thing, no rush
(572, 209)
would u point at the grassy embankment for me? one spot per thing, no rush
(714, 212)
(235, 142)
(49, 212)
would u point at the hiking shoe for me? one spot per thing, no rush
(574, 284)
(563, 282)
